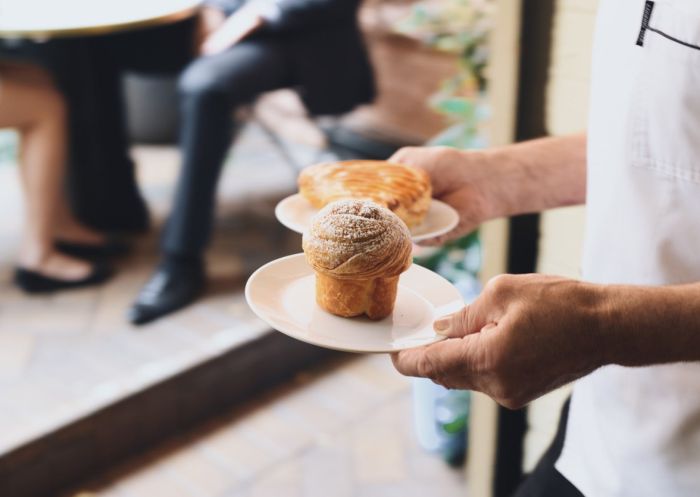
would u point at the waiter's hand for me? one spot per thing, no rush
(220, 33)
(465, 180)
(524, 336)
(503, 181)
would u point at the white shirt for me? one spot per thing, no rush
(635, 432)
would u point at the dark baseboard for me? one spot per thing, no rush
(92, 445)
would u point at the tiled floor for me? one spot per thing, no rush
(67, 354)
(344, 430)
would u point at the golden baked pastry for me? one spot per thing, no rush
(357, 249)
(404, 190)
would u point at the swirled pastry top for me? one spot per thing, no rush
(405, 190)
(357, 239)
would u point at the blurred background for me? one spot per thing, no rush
(207, 401)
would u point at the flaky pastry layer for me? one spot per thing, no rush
(404, 190)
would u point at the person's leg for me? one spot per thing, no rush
(210, 89)
(67, 61)
(101, 175)
(29, 103)
(88, 70)
(102, 179)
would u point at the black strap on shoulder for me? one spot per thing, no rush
(648, 8)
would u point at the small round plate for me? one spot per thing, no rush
(282, 293)
(295, 212)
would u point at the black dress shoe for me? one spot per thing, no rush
(35, 282)
(171, 287)
(111, 248)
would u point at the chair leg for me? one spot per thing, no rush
(279, 145)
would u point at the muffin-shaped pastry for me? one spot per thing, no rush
(357, 249)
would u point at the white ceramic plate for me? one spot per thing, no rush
(295, 212)
(282, 293)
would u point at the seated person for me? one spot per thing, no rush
(29, 103)
(314, 46)
(88, 71)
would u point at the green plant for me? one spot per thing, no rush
(460, 27)
(8, 147)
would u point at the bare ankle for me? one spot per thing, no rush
(32, 255)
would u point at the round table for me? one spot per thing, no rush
(40, 19)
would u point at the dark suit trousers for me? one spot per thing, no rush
(210, 89)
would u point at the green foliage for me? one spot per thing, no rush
(8, 147)
(460, 27)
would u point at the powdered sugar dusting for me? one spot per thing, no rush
(357, 238)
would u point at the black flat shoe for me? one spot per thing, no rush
(35, 282)
(111, 248)
(171, 287)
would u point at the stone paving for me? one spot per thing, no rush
(342, 430)
(67, 354)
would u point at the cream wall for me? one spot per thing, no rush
(503, 69)
(566, 112)
(562, 230)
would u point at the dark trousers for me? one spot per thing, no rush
(88, 70)
(545, 480)
(210, 89)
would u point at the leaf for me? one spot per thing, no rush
(456, 106)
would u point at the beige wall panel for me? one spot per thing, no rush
(562, 230)
(567, 91)
(503, 73)
(561, 242)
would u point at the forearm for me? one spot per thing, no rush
(536, 175)
(641, 326)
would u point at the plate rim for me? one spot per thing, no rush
(256, 310)
(416, 238)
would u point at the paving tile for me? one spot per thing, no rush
(310, 413)
(373, 370)
(287, 438)
(272, 448)
(344, 430)
(378, 449)
(40, 315)
(198, 473)
(282, 480)
(411, 489)
(15, 352)
(75, 348)
(240, 453)
(150, 483)
(328, 469)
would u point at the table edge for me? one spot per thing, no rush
(101, 29)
